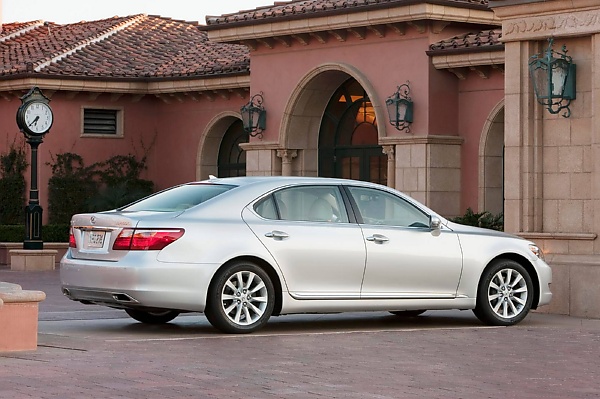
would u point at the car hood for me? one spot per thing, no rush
(463, 229)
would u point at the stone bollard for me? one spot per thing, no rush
(18, 318)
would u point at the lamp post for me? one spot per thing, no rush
(400, 108)
(254, 116)
(34, 118)
(553, 76)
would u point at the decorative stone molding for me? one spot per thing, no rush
(572, 23)
(558, 236)
(259, 145)
(286, 156)
(390, 151)
(432, 139)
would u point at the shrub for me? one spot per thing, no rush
(50, 233)
(69, 189)
(76, 188)
(485, 219)
(12, 185)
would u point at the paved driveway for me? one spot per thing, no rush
(91, 351)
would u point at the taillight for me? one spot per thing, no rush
(146, 239)
(72, 243)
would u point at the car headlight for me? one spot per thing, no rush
(536, 251)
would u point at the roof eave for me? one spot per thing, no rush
(365, 16)
(97, 84)
(338, 11)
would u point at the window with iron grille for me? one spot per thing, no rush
(101, 122)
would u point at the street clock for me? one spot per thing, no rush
(34, 116)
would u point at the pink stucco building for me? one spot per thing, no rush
(325, 69)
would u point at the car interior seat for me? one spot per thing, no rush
(320, 211)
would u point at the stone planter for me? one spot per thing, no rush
(18, 318)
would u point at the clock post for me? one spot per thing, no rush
(34, 118)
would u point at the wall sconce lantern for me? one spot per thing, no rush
(400, 108)
(254, 116)
(553, 76)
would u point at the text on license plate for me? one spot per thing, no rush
(95, 239)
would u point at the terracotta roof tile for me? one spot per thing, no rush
(468, 41)
(315, 8)
(134, 47)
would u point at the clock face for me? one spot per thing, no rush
(38, 117)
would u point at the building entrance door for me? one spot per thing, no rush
(348, 140)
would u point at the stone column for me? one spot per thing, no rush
(286, 156)
(389, 150)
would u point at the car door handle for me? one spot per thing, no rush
(378, 238)
(276, 234)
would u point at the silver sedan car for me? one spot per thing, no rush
(244, 249)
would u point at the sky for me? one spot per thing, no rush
(69, 11)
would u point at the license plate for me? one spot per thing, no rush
(95, 239)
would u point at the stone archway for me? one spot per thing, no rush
(208, 148)
(491, 162)
(304, 112)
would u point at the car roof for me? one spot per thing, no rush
(282, 180)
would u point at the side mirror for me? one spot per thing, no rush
(435, 224)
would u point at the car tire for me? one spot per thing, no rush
(505, 294)
(407, 313)
(158, 317)
(240, 299)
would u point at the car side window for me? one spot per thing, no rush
(383, 208)
(266, 208)
(311, 203)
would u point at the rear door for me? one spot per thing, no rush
(308, 232)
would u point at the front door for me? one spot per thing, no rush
(405, 259)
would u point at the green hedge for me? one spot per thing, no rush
(485, 219)
(50, 233)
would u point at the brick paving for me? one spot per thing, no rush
(90, 351)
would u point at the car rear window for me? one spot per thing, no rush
(178, 198)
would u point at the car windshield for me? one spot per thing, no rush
(178, 198)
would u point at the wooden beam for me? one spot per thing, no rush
(378, 30)
(438, 26)
(320, 36)
(285, 40)
(360, 33)
(267, 42)
(418, 25)
(398, 28)
(460, 73)
(340, 35)
(302, 38)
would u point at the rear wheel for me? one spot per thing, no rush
(505, 294)
(407, 313)
(241, 298)
(158, 317)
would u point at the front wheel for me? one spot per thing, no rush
(158, 317)
(505, 294)
(240, 299)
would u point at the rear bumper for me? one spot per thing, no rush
(138, 282)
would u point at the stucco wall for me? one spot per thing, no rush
(167, 132)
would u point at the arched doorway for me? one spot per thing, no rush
(231, 160)
(491, 181)
(218, 148)
(348, 137)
